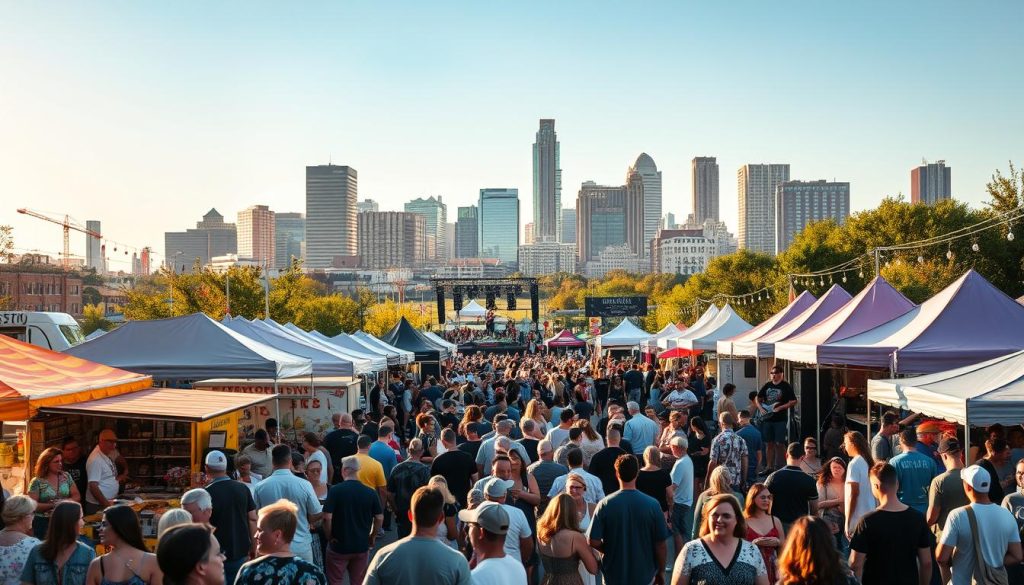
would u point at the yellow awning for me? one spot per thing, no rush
(165, 404)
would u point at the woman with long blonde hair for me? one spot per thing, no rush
(562, 546)
(809, 556)
(535, 411)
(447, 532)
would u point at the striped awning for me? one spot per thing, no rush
(165, 404)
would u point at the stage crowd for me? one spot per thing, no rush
(529, 469)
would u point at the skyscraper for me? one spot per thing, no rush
(931, 183)
(568, 225)
(547, 184)
(798, 203)
(289, 232)
(756, 190)
(367, 205)
(94, 248)
(256, 235)
(467, 233)
(212, 237)
(498, 221)
(645, 176)
(391, 239)
(528, 233)
(704, 182)
(607, 216)
(435, 217)
(331, 193)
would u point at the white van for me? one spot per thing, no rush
(56, 331)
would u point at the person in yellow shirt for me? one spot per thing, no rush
(371, 472)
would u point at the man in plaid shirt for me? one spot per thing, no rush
(730, 450)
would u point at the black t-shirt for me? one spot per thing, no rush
(449, 420)
(654, 484)
(232, 502)
(352, 506)
(531, 447)
(340, 443)
(375, 406)
(890, 542)
(370, 430)
(471, 447)
(772, 394)
(583, 409)
(791, 490)
(995, 489)
(457, 467)
(602, 465)
(695, 445)
(77, 472)
(601, 386)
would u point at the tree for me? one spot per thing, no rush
(329, 315)
(91, 296)
(382, 317)
(93, 319)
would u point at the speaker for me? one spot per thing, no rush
(457, 299)
(534, 303)
(440, 304)
(490, 299)
(510, 300)
(750, 369)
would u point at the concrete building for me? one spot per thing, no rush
(568, 225)
(94, 248)
(289, 234)
(704, 188)
(449, 239)
(608, 216)
(616, 257)
(756, 191)
(391, 239)
(543, 258)
(256, 238)
(467, 233)
(528, 233)
(212, 237)
(435, 217)
(931, 183)
(798, 203)
(474, 268)
(498, 220)
(221, 264)
(645, 178)
(331, 193)
(367, 205)
(35, 286)
(688, 250)
(547, 184)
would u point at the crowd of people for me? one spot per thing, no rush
(549, 470)
(459, 335)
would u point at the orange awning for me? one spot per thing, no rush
(165, 404)
(32, 376)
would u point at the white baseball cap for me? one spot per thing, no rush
(976, 477)
(216, 460)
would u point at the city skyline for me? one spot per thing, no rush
(170, 104)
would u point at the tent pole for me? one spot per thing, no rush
(817, 403)
(867, 423)
(967, 435)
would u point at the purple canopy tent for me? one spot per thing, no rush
(830, 302)
(787, 314)
(565, 338)
(969, 321)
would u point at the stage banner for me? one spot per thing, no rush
(616, 306)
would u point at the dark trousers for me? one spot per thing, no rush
(403, 523)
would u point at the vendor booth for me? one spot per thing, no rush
(669, 331)
(563, 341)
(625, 337)
(709, 314)
(323, 362)
(429, 355)
(396, 355)
(764, 345)
(366, 361)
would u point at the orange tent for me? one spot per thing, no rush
(32, 377)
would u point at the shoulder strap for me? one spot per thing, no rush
(974, 532)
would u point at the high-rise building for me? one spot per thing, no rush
(94, 248)
(256, 235)
(331, 193)
(528, 233)
(756, 190)
(391, 239)
(449, 240)
(367, 205)
(289, 232)
(498, 224)
(608, 216)
(435, 217)
(704, 183)
(798, 203)
(931, 183)
(689, 249)
(547, 258)
(568, 225)
(645, 177)
(212, 237)
(668, 221)
(467, 233)
(547, 184)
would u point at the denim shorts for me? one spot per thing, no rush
(775, 432)
(682, 520)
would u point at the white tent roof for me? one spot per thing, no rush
(324, 363)
(471, 309)
(669, 331)
(404, 356)
(726, 324)
(787, 314)
(980, 394)
(377, 361)
(438, 339)
(364, 364)
(626, 334)
(707, 317)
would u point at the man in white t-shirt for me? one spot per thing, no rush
(519, 538)
(858, 497)
(999, 539)
(101, 471)
(488, 530)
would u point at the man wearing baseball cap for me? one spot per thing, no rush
(519, 539)
(234, 514)
(488, 528)
(946, 492)
(928, 438)
(999, 540)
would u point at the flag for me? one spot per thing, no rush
(792, 292)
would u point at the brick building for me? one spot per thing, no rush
(33, 288)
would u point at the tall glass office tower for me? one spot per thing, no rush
(498, 217)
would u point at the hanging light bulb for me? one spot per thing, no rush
(1009, 235)
(844, 277)
(821, 282)
(920, 259)
(949, 253)
(975, 247)
(862, 273)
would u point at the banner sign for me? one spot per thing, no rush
(616, 306)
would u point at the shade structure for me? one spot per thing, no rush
(405, 336)
(725, 325)
(625, 335)
(565, 338)
(95, 334)
(877, 303)
(830, 302)
(403, 356)
(191, 347)
(471, 310)
(669, 331)
(365, 361)
(32, 376)
(441, 341)
(787, 314)
(967, 322)
(381, 360)
(165, 404)
(678, 352)
(709, 314)
(324, 364)
(981, 394)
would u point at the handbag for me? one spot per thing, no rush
(983, 574)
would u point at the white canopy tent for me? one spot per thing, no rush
(442, 341)
(625, 335)
(670, 331)
(707, 317)
(471, 310)
(404, 356)
(726, 324)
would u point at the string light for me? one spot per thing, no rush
(949, 253)
(1009, 235)
(844, 277)
(975, 247)
(920, 259)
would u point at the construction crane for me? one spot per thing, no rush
(68, 225)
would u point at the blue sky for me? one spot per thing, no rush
(146, 114)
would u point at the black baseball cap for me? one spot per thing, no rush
(949, 445)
